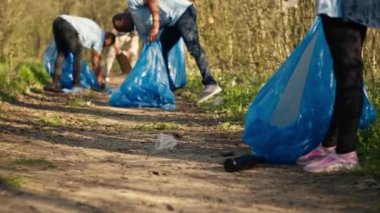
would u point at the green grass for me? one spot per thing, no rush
(11, 182)
(160, 126)
(32, 74)
(22, 79)
(238, 93)
(39, 163)
(369, 146)
(229, 126)
(78, 102)
(52, 120)
(7, 86)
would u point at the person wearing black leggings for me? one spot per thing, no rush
(176, 19)
(345, 36)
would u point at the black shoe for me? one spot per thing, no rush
(53, 88)
(243, 162)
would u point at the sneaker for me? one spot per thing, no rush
(208, 92)
(74, 90)
(334, 163)
(315, 155)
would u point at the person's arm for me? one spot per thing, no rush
(155, 11)
(110, 58)
(96, 67)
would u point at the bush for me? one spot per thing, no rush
(369, 146)
(32, 74)
(28, 75)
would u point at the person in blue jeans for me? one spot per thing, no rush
(345, 26)
(177, 19)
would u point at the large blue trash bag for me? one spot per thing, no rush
(149, 83)
(87, 76)
(177, 66)
(291, 113)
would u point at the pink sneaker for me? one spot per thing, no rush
(315, 155)
(334, 163)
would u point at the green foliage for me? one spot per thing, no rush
(160, 126)
(10, 182)
(230, 126)
(78, 102)
(53, 120)
(25, 77)
(32, 74)
(9, 88)
(39, 163)
(238, 93)
(369, 146)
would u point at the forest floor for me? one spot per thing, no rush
(60, 153)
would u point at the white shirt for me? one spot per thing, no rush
(170, 12)
(90, 34)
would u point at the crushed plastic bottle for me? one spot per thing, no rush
(165, 142)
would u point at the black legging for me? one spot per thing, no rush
(67, 40)
(345, 39)
(186, 27)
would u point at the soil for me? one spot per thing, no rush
(103, 159)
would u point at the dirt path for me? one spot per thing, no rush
(79, 156)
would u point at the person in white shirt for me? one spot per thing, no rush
(131, 41)
(71, 34)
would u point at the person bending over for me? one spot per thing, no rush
(71, 34)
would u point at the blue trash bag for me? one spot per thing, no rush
(177, 66)
(149, 84)
(87, 76)
(292, 112)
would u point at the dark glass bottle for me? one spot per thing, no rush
(243, 162)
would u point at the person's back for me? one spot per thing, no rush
(170, 12)
(90, 33)
(71, 34)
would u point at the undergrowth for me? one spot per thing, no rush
(26, 76)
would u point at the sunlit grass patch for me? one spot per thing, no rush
(160, 126)
(78, 102)
(238, 92)
(32, 74)
(39, 163)
(369, 146)
(11, 182)
(23, 78)
(52, 120)
(230, 126)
